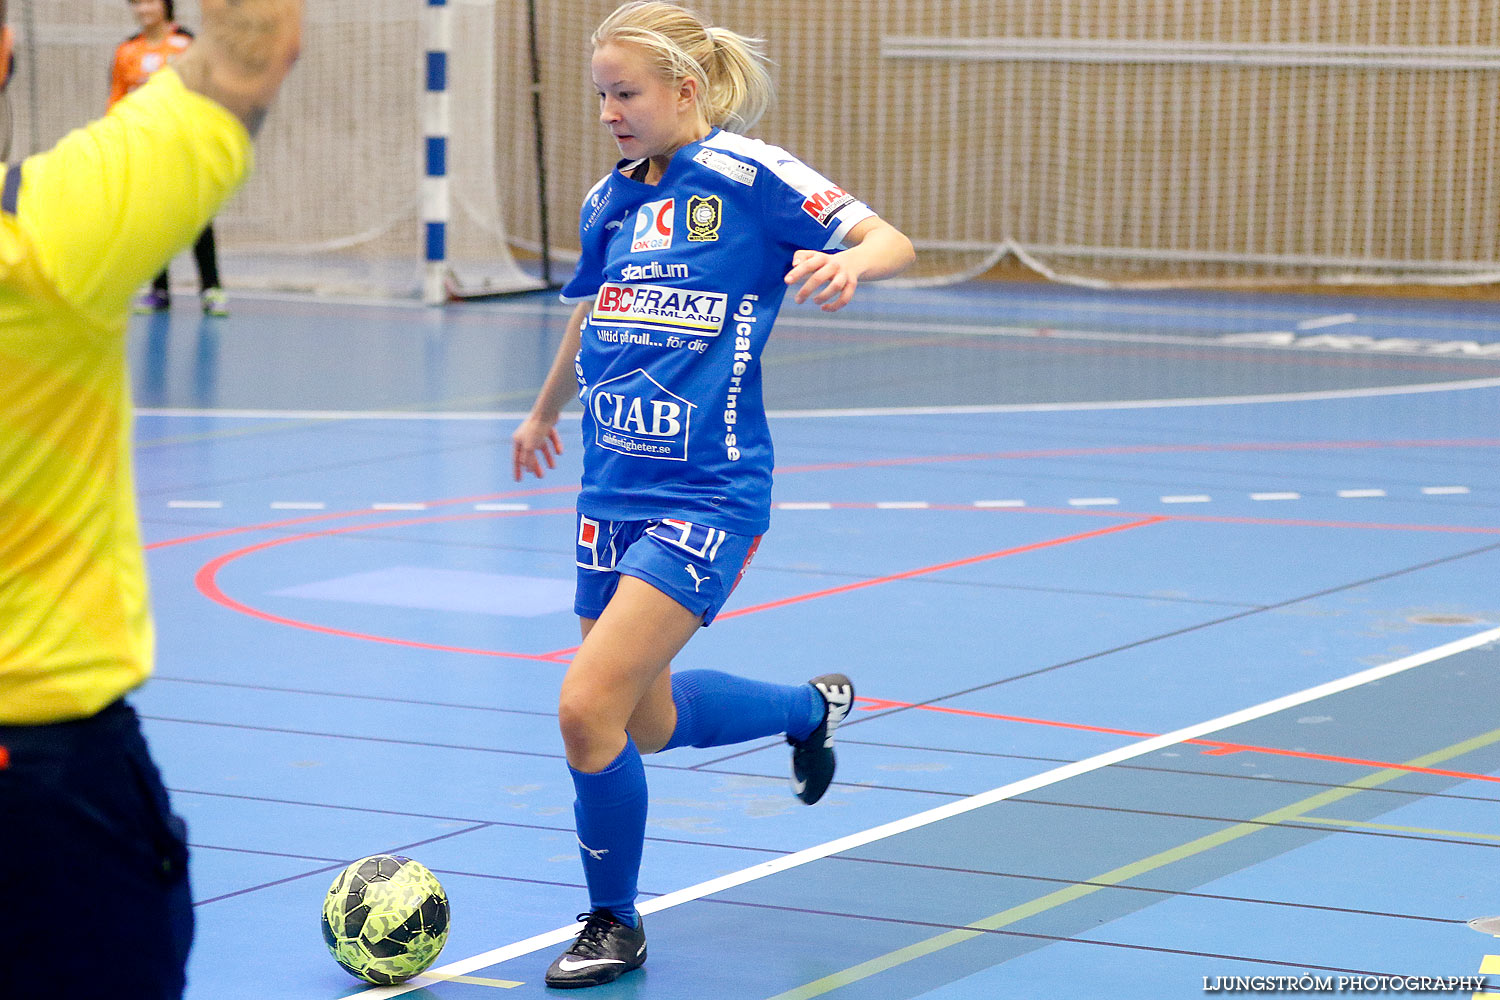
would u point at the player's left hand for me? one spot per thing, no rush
(830, 272)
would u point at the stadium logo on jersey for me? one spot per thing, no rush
(736, 170)
(704, 216)
(635, 415)
(825, 205)
(657, 307)
(653, 226)
(652, 270)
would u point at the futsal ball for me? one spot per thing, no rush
(385, 918)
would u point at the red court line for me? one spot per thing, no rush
(910, 573)
(207, 582)
(1217, 748)
(940, 567)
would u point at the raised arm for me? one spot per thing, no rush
(242, 53)
(877, 250)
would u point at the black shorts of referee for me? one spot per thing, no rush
(93, 864)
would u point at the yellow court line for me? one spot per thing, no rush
(1052, 900)
(1361, 824)
(1489, 966)
(502, 984)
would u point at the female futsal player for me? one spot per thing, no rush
(688, 247)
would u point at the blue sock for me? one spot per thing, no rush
(715, 709)
(610, 811)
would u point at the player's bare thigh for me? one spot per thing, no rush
(620, 679)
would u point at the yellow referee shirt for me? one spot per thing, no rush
(82, 227)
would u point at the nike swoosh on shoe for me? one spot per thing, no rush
(572, 964)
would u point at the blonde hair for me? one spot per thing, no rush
(734, 88)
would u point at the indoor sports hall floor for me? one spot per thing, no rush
(1174, 620)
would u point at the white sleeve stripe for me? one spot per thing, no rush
(850, 217)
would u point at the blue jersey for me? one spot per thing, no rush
(686, 277)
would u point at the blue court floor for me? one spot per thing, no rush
(1173, 617)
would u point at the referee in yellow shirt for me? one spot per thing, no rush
(93, 864)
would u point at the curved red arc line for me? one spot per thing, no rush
(206, 580)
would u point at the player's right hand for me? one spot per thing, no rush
(534, 442)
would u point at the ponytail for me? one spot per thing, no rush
(734, 87)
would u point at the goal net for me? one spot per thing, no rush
(1104, 142)
(335, 203)
(1116, 142)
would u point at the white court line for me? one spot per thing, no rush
(1323, 321)
(999, 503)
(298, 505)
(195, 504)
(902, 505)
(1276, 496)
(952, 809)
(869, 411)
(398, 506)
(1350, 494)
(1439, 491)
(1093, 501)
(1188, 498)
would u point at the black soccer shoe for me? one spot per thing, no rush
(812, 758)
(605, 950)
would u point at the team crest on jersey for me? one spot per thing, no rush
(636, 415)
(704, 216)
(653, 226)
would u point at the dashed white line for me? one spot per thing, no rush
(1172, 498)
(1322, 321)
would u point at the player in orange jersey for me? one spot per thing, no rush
(160, 39)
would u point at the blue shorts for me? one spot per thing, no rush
(696, 566)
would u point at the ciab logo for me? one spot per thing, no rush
(653, 226)
(636, 415)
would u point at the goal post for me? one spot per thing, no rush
(356, 159)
